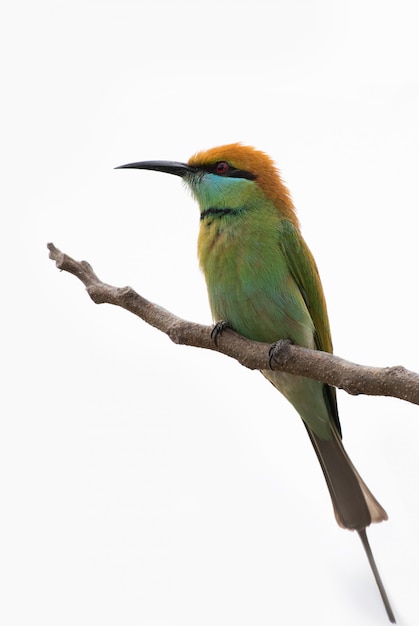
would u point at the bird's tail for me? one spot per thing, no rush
(354, 505)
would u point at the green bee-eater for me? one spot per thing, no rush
(263, 282)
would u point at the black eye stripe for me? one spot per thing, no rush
(227, 172)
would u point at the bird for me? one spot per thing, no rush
(263, 283)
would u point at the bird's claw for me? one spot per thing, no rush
(218, 329)
(275, 351)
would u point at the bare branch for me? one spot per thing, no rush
(355, 379)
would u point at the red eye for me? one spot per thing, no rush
(221, 167)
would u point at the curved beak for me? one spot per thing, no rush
(169, 167)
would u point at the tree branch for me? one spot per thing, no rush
(355, 379)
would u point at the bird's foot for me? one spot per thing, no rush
(278, 352)
(218, 329)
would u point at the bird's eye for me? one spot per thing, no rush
(221, 167)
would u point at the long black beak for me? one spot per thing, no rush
(170, 167)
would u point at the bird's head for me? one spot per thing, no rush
(230, 176)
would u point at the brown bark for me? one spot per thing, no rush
(355, 379)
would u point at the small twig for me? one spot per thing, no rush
(355, 379)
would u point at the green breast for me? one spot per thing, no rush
(248, 279)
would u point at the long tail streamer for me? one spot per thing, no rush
(363, 536)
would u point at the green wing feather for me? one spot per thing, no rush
(305, 273)
(304, 270)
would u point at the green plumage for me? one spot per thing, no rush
(261, 279)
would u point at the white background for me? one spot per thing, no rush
(153, 485)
